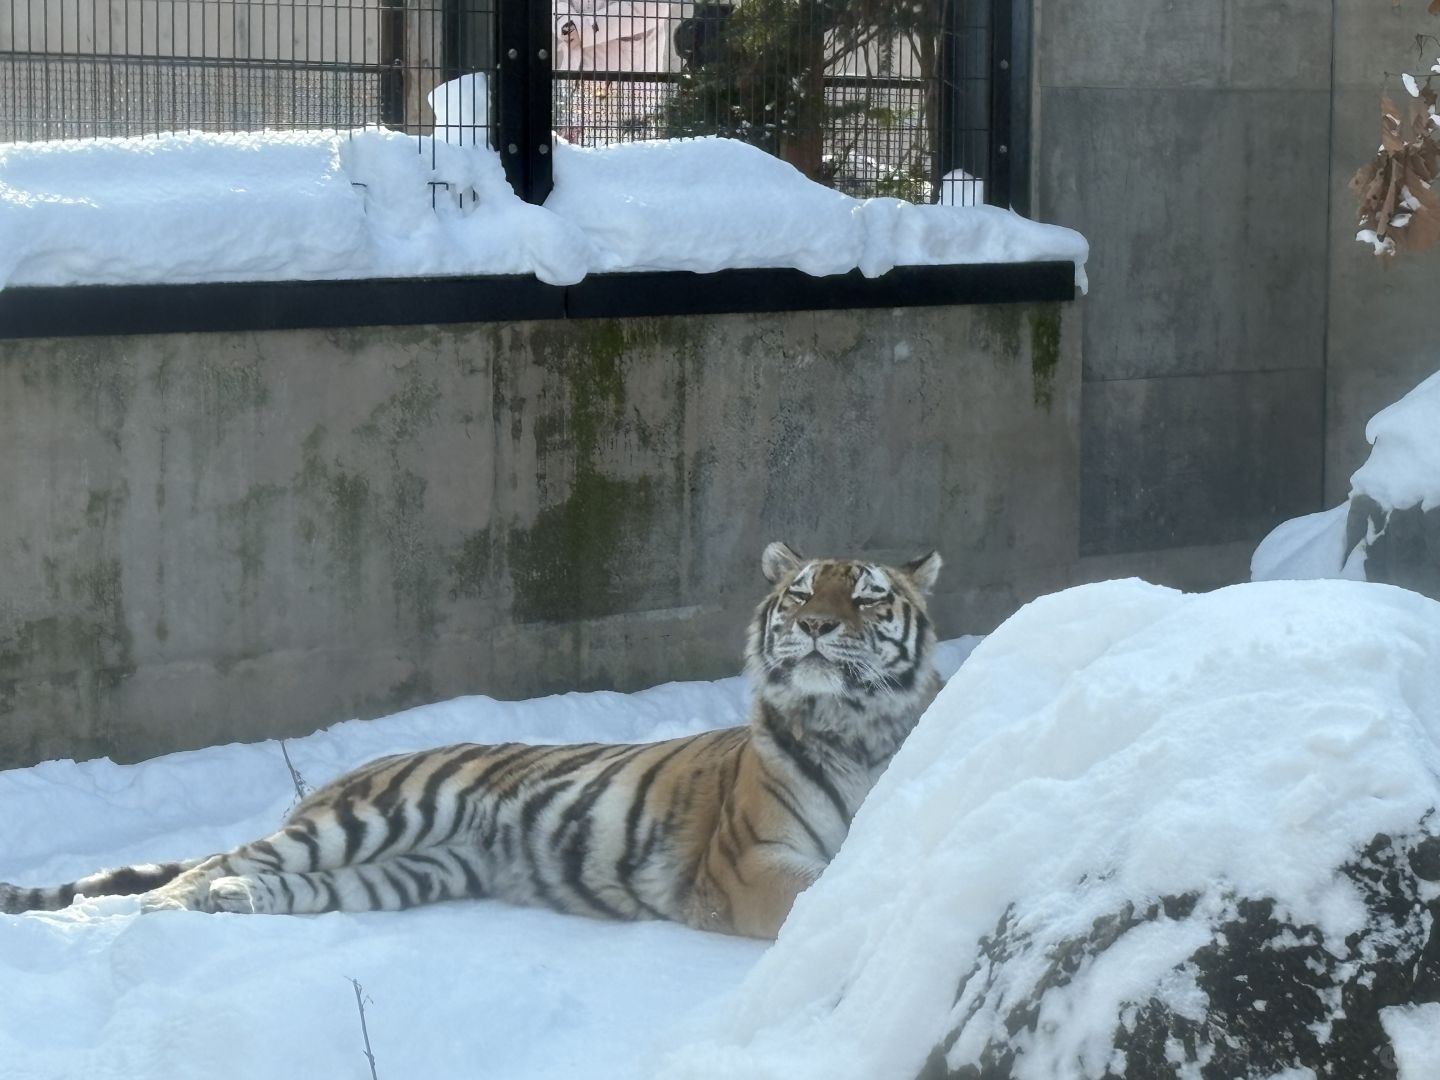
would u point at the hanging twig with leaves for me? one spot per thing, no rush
(1399, 206)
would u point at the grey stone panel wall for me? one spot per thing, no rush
(1190, 144)
(221, 537)
(1207, 458)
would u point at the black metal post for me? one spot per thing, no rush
(539, 112)
(948, 71)
(524, 112)
(392, 59)
(997, 183)
(1022, 29)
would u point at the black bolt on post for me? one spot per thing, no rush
(524, 115)
(392, 63)
(997, 184)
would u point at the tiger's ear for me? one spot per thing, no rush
(779, 561)
(924, 570)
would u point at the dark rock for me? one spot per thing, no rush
(1403, 546)
(1279, 996)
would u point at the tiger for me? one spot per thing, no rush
(720, 831)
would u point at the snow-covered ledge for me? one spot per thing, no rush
(376, 206)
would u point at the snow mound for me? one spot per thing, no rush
(1140, 833)
(177, 208)
(268, 205)
(1309, 546)
(1388, 529)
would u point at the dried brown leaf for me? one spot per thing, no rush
(1422, 232)
(1365, 176)
(1425, 195)
(1390, 137)
(1434, 7)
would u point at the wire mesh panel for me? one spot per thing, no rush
(854, 93)
(874, 97)
(81, 68)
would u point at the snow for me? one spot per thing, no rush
(529, 993)
(1402, 471)
(960, 188)
(1414, 1032)
(1312, 546)
(1113, 742)
(462, 110)
(196, 207)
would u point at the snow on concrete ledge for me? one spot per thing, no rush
(1139, 834)
(271, 205)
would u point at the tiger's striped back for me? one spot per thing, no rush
(719, 830)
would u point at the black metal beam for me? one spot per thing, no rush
(84, 310)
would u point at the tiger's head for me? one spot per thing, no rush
(843, 628)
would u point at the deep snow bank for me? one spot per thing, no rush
(1388, 529)
(373, 203)
(1139, 834)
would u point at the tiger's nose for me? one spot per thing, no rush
(816, 626)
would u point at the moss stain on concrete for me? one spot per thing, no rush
(91, 636)
(1044, 353)
(565, 564)
(1000, 329)
(102, 505)
(407, 412)
(470, 566)
(96, 372)
(412, 558)
(234, 386)
(338, 502)
(248, 520)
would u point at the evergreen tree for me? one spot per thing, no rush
(757, 72)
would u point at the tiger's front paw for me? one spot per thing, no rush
(238, 894)
(188, 892)
(165, 900)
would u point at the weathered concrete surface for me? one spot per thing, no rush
(1190, 144)
(1208, 458)
(207, 538)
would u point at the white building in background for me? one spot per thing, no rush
(618, 35)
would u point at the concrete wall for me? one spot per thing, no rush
(1190, 143)
(231, 536)
(1236, 336)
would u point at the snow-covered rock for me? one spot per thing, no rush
(1388, 529)
(1140, 834)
